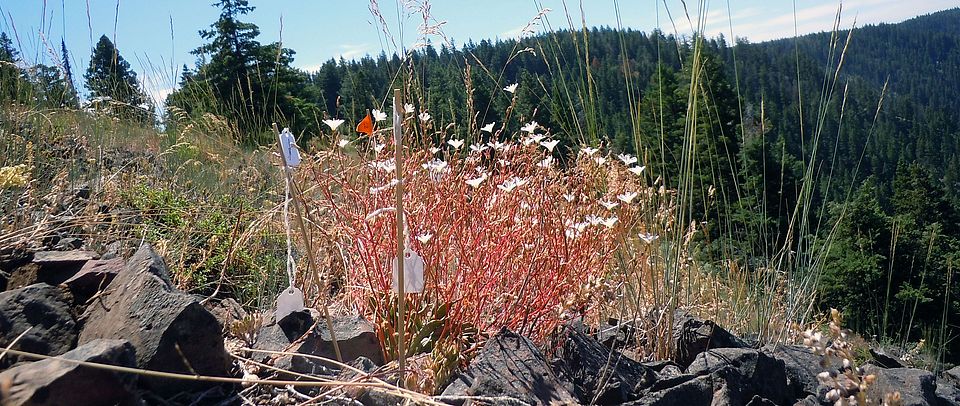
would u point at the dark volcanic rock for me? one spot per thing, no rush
(57, 382)
(169, 329)
(739, 374)
(802, 367)
(45, 311)
(693, 336)
(885, 359)
(63, 257)
(51, 267)
(600, 375)
(305, 332)
(947, 394)
(916, 386)
(695, 391)
(227, 312)
(509, 365)
(94, 276)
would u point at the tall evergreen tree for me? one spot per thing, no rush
(12, 81)
(251, 84)
(112, 83)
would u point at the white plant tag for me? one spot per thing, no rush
(289, 301)
(412, 272)
(289, 146)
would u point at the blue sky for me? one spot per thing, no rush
(157, 36)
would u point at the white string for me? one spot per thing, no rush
(291, 265)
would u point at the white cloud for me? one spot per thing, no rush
(515, 33)
(352, 51)
(760, 24)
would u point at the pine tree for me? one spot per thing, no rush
(251, 84)
(12, 81)
(112, 83)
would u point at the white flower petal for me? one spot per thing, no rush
(550, 144)
(627, 197)
(379, 115)
(456, 144)
(511, 88)
(637, 170)
(627, 159)
(608, 204)
(475, 183)
(530, 127)
(489, 127)
(333, 124)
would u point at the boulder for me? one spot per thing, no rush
(802, 367)
(886, 358)
(739, 374)
(57, 382)
(509, 365)
(917, 387)
(42, 309)
(227, 312)
(306, 332)
(617, 334)
(94, 276)
(693, 336)
(51, 267)
(952, 375)
(695, 391)
(947, 394)
(169, 329)
(600, 375)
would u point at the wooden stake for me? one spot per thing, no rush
(298, 197)
(401, 297)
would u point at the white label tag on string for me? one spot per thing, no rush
(289, 146)
(289, 301)
(412, 272)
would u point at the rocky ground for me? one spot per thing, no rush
(89, 307)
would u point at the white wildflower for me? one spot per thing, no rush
(456, 144)
(546, 162)
(648, 238)
(333, 124)
(511, 88)
(512, 183)
(475, 183)
(478, 148)
(627, 159)
(627, 197)
(608, 204)
(530, 127)
(550, 144)
(637, 170)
